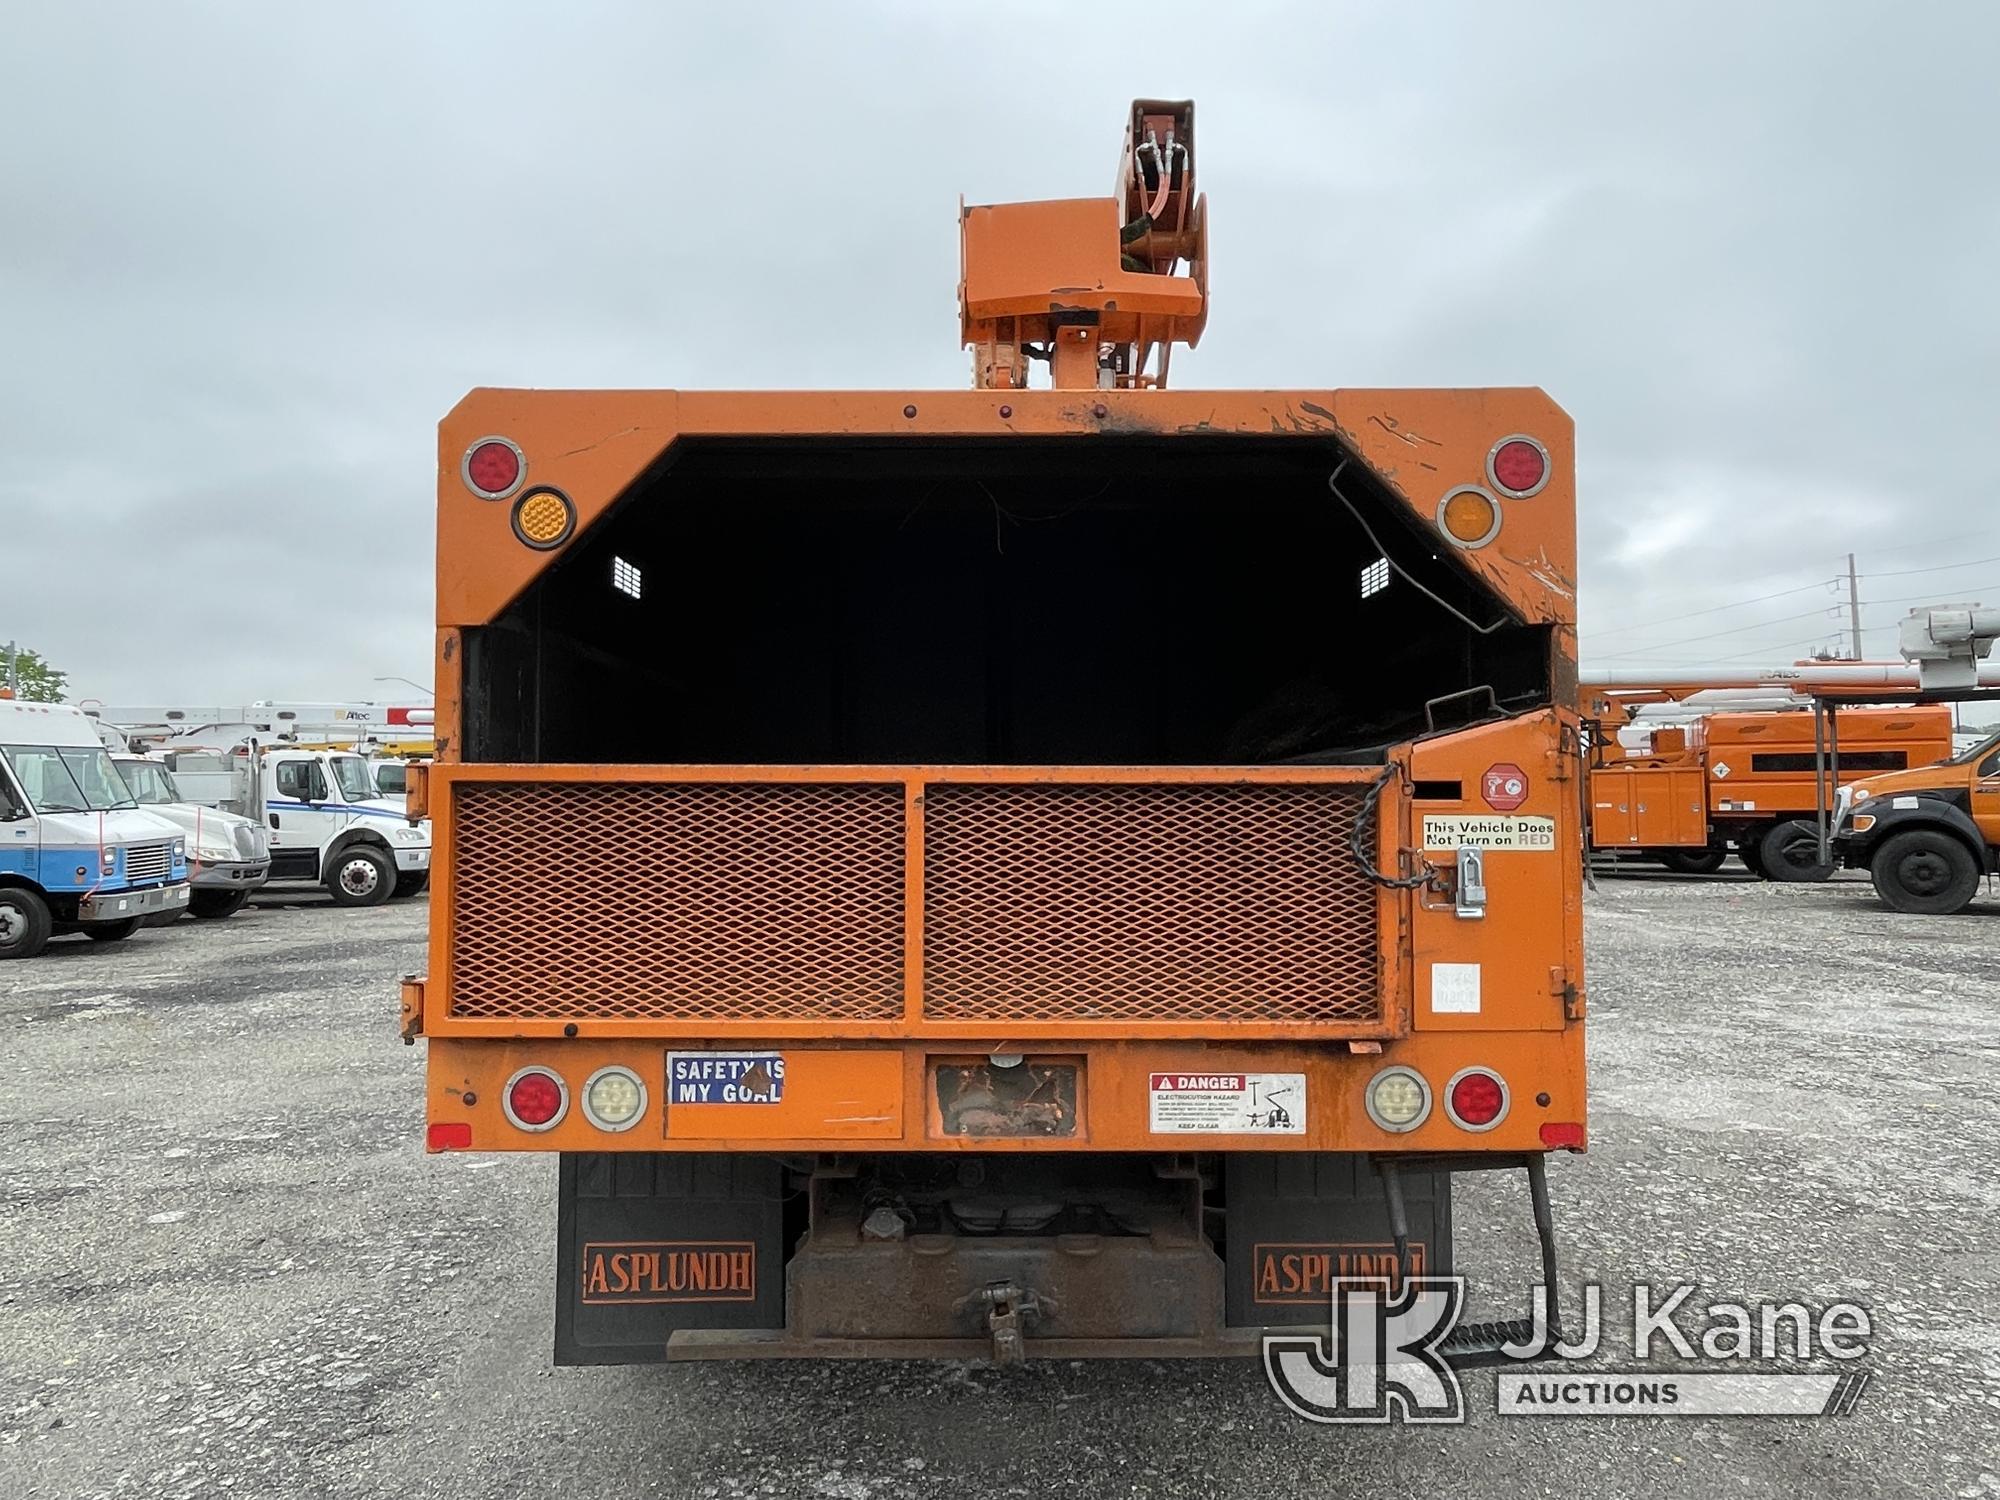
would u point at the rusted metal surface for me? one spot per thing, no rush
(727, 1343)
(1152, 1275)
(1033, 1097)
(412, 1020)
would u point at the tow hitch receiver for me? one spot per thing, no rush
(1009, 1308)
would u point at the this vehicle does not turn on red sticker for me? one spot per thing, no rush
(1227, 1103)
(1489, 831)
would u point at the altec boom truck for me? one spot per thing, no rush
(1757, 780)
(1098, 862)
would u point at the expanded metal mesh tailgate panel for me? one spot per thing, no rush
(663, 900)
(1152, 903)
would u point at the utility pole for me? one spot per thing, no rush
(13, 674)
(1854, 605)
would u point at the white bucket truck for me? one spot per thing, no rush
(329, 823)
(325, 819)
(77, 852)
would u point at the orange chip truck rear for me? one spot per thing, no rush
(1057, 869)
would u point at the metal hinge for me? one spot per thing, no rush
(413, 1008)
(1561, 986)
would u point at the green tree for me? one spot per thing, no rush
(36, 680)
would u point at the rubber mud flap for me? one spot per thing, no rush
(651, 1243)
(1296, 1220)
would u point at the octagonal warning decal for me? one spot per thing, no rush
(1505, 786)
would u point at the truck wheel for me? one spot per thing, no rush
(1926, 872)
(112, 932)
(361, 875)
(1789, 852)
(217, 903)
(24, 923)
(1749, 858)
(1695, 861)
(413, 884)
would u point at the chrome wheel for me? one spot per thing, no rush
(360, 877)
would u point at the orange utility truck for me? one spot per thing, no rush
(1098, 861)
(1928, 837)
(1753, 780)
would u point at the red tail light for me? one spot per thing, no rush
(1519, 466)
(493, 468)
(535, 1099)
(1476, 1099)
(449, 1135)
(1563, 1135)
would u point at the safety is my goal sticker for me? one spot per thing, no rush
(1227, 1103)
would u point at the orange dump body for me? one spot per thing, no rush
(933, 735)
(1010, 871)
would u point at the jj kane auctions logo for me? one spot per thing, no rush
(1388, 1357)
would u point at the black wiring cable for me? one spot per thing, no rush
(1333, 483)
(1364, 822)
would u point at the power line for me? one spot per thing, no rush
(1983, 588)
(1825, 611)
(1938, 541)
(1826, 583)
(1940, 568)
(1719, 608)
(1829, 612)
(1772, 650)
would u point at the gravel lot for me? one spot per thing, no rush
(226, 1265)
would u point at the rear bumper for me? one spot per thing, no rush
(678, 1258)
(931, 1096)
(116, 906)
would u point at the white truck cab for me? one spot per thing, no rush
(228, 856)
(77, 851)
(392, 773)
(329, 823)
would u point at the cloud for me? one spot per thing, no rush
(255, 256)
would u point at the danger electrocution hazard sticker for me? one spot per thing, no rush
(1227, 1103)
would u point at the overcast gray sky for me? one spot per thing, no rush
(249, 254)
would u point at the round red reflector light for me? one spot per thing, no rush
(1519, 466)
(535, 1099)
(1478, 1099)
(493, 467)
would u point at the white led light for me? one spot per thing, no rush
(614, 1098)
(1375, 577)
(625, 577)
(1398, 1099)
